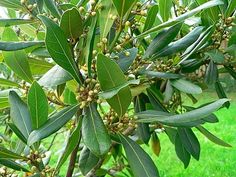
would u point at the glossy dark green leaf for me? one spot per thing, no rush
(88, 51)
(38, 105)
(39, 67)
(155, 100)
(140, 162)
(87, 160)
(191, 65)
(123, 6)
(159, 74)
(211, 73)
(125, 61)
(155, 144)
(94, 132)
(216, 55)
(231, 71)
(212, 137)
(17, 132)
(162, 40)
(190, 141)
(13, 46)
(165, 9)
(168, 92)
(202, 39)
(178, 119)
(52, 7)
(59, 48)
(8, 83)
(4, 103)
(180, 44)
(182, 17)
(15, 4)
(16, 60)
(55, 76)
(71, 23)
(111, 93)
(54, 123)
(111, 76)
(71, 145)
(105, 17)
(186, 86)
(13, 165)
(151, 17)
(7, 154)
(20, 114)
(181, 152)
(221, 93)
(143, 129)
(13, 22)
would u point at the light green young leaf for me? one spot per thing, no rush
(165, 9)
(123, 7)
(16, 60)
(38, 105)
(7, 154)
(8, 83)
(13, 46)
(13, 22)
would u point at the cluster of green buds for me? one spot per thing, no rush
(166, 66)
(47, 171)
(181, 10)
(88, 93)
(4, 171)
(223, 30)
(29, 7)
(34, 158)
(141, 9)
(199, 74)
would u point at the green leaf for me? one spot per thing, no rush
(13, 165)
(17, 132)
(180, 44)
(15, 4)
(123, 7)
(155, 144)
(20, 114)
(88, 51)
(143, 129)
(4, 103)
(39, 67)
(94, 133)
(111, 93)
(190, 141)
(211, 73)
(111, 76)
(8, 83)
(178, 119)
(221, 93)
(159, 74)
(13, 22)
(51, 6)
(38, 105)
(13, 46)
(162, 40)
(165, 9)
(181, 152)
(212, 137)
(151, 17)
(231, 71)
(140, 162)
(54, 123)
(231, 8)
(71, 23)
(203, 38)
(55, 76)
(105, 17)
(69, 97)
(6, 154)
(87, 160)
(186, 86)
(59, 48)
(216, 55)
(182, 17)
(16, 60)
(125, 61)
(71, 145)
(155, 99)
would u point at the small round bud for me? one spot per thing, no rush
(23, 1)
(30, 6)
(39, 160)
(34, 5)
(93, 13)
(99, 101)
(127, 23)
(95, 91)
(33, 168)
(143, 13)
(118, 47)
(55, 19)
(138, 4)
(127, 37)
(91, 93)
(88, 80)
(108, 55)
(29, 162)
(99, 45)
(36, 152)
(89, 99)
(104, 40)
(127, 54)
(95, 52)
(81, 9)
(92, 2)
(114, 17)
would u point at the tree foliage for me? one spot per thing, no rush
(110, 75)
